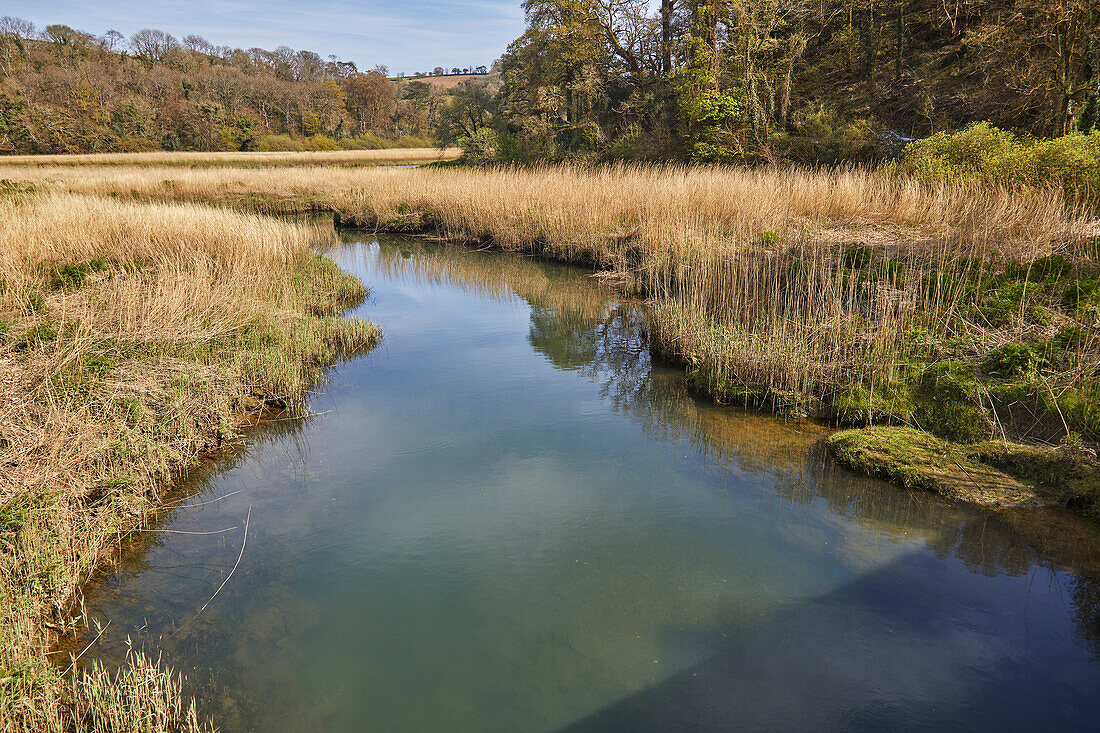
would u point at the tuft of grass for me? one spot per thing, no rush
(990, 473)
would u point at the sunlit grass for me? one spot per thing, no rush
(135, 336)
(383, 156)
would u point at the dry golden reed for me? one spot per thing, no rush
(383, 156)
(746, 267)
(132, 337)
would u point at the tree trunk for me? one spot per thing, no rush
(666, 35)
(869, 42)
(785, 97)
(900, 40)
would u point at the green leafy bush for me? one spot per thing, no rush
(481, 148)
(983, 153)
(1011, 360)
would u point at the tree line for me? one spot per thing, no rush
(800, 79)
(64, 90)
(706, 80)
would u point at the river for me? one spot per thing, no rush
(509, 517)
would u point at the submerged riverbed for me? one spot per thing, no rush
(508, 518)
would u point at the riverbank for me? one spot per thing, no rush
(134, 337)
(854, 297)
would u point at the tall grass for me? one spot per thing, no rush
(814, 287)
(273, 157)
(591, 211)
(132, 337)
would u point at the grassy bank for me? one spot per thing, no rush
(133, 338)
(266, 159)
(860, 297)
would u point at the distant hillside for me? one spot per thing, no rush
(445, 82)
(68, 91)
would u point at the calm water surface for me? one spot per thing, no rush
(507, 518)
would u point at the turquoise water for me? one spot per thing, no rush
(509, 518)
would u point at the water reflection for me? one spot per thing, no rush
(581, 326)
(511, 518)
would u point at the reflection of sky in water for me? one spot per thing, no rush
(508, 519)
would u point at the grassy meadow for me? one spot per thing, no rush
(134, 337)
(383, 156)
(147, 302)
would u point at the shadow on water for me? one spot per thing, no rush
(751, 585)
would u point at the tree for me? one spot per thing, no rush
(198, 44)
(14, 32)
(152, 45)
(1046, 50)
(112, 40)
(371, 101)
(469, 111)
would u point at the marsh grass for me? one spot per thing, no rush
(137, 336)
(387, 156)
(820, 292)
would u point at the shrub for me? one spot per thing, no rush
(1011, 360)
(278, 144)
(481, 148)
(978, 152)
(983, 153)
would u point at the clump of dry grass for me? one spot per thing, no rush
(132, 337)
(386, 156)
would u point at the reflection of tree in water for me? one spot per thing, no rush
(580, 326)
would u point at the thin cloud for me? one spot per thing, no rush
(406, 36)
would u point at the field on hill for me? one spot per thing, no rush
(444, 83)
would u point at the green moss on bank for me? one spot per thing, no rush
(990, 473)
(917, 460)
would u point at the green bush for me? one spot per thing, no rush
(982, 153)
(1011, 360)
(481, 148)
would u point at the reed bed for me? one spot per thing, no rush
(588, 211)
(382, 156)
(133, 337)
(820, 291)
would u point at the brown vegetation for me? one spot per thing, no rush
(828, 293)
(132, 338)
(384, 156)
(64, 90)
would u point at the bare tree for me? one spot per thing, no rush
(152, 45)
(198, 44)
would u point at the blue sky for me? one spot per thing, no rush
(411, 35)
